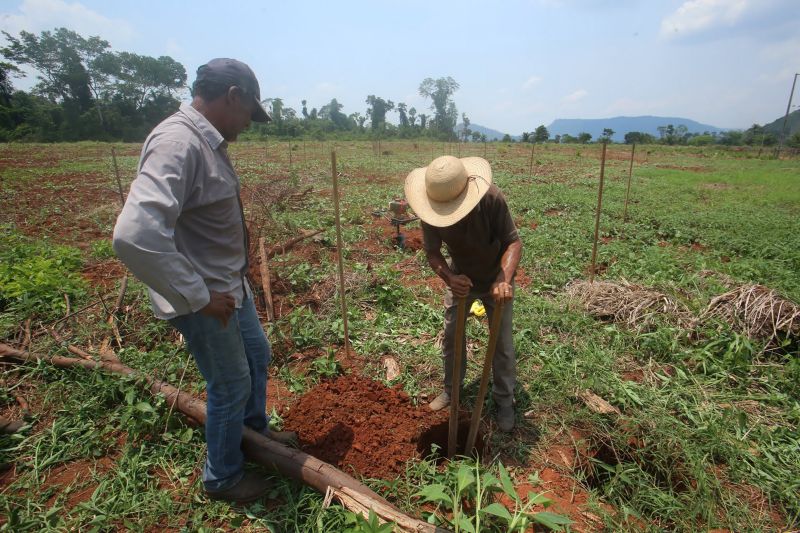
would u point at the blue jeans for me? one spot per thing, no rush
(233, 361)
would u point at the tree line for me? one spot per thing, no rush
(669, 134)
(87, 91)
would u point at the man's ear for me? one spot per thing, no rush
(233, 95)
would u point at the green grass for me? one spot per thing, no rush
(707, 436)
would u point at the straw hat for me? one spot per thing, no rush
(445, 191)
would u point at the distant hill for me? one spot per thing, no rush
(623, 125)
(491, 135)
(792, 125)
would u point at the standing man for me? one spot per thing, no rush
(460, 207)
(182, 233)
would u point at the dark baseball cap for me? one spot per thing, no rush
(232, 72)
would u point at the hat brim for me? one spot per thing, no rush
(259, 113)
(443, 214)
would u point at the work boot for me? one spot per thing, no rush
(287, 438)
(440, 402)
(250, 488)
(505, 418)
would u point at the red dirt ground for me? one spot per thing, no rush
(360, 425)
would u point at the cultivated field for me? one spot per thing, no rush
(698, 429)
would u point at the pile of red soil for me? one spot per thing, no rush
(360, 425)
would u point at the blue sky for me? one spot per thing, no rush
(728, 63)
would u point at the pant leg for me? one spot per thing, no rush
(220, 356)
(448, 347)
(504, 364)
(259, 353)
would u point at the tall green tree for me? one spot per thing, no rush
(142, 79)
(333, 112)
(65, 62)
(403, 115)
(440, 91)
(7, 71)
(584, 137)
(378, 107)
(541, 135)
(465, 131)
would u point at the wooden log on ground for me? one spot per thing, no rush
(286, 461)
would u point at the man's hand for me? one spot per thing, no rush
(220, 306)
(459, 284)
(502, 291)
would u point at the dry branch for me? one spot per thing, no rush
(758, 312)
(634, 305)
(258, 448)
(288, 245)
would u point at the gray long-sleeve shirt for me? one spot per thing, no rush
(181, 231)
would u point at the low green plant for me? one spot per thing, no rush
(465, 501)
(36, 276)
(102, 249)
(326, 366)
(358, 524)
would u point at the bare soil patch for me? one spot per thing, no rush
(361, 426)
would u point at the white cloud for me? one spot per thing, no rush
(575, 96)
(696, 16)
(39, 15)
(531, 82)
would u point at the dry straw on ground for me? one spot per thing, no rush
(634, 305)
(758, 312)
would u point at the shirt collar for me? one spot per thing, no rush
(213, 137)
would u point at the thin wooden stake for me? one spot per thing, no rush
(455, 379)
(530, 168)
(116, 173)
(597, 216)
(340, 250)
(266, 282)
(628, 190)
(290, 156)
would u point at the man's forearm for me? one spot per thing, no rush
(509, 262)
(439, 265)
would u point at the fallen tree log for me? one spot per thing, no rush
(286, 461)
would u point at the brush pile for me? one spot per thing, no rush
(633, 305)
(758, 312)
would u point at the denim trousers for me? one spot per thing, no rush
(504, 364)
(233, 360)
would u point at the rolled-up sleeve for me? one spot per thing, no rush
(145, 230)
